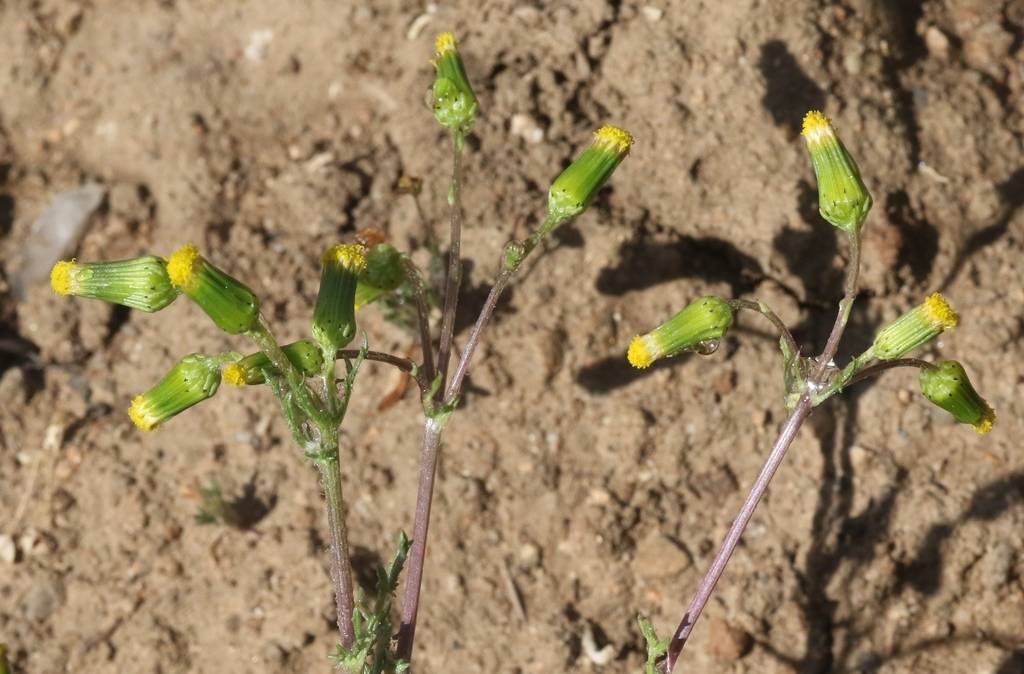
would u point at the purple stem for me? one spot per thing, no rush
(732, 539)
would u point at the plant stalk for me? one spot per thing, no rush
(732, 538)
(432, 430)
(341, 566)
(451, 289)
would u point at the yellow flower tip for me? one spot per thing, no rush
(141, 415)
(639, 354)
(60, 277)
(815, 126)
(615, 138)
(181, 266)
(444, 43)
(234, 374)
(350, 256)
(986, 423)
(937, 309)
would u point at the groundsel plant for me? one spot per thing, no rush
(303, 376)
(844, 202)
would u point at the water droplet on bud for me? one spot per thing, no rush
(707, 347)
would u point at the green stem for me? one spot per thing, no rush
(451, 289)
(341, 568)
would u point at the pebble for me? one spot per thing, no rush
(936, 42)
(8, 551)
(526, 127)
(529, 556)
(727, 643)
(652, 13)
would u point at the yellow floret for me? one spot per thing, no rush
(815, 125)
(639, 354)
(350, 256)
(181, 266)
(614, 137)
(60, 277)
(444, 43)
(141, 414)
(938, 311)
(986, 423)
(234, 374)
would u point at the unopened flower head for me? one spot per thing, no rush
(946, 384)
(334, 318)
(228, 301)
(384, 273)
(843, 200)
(915, 328)
(192, 380)
(576, 187)
(140, 283)
(455, 105)
(698, 326)
(254, 368)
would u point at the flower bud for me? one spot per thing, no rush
(697, 327)
(334, 318)
(843, 200)
(453, 100)
(946, 384)
(914, 328)
(140, 283)
(253, 369)
(384, 272)
(194, 379)
(577, 185)
(229, 302)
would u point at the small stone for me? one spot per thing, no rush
(529, 556)
(8, 551)
(936, 42)
(658, 557)
(903, 395)
(526, 127)
(652, 13)
(727, 643)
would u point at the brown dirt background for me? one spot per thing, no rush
(889, 542)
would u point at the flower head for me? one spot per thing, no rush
(192, 380)
(573, 191)
(140, 283)
(455, 105)
(843, 200)
(697, 327)
(228, 301)
(334, 321)
(946, 385)
(915, 328)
